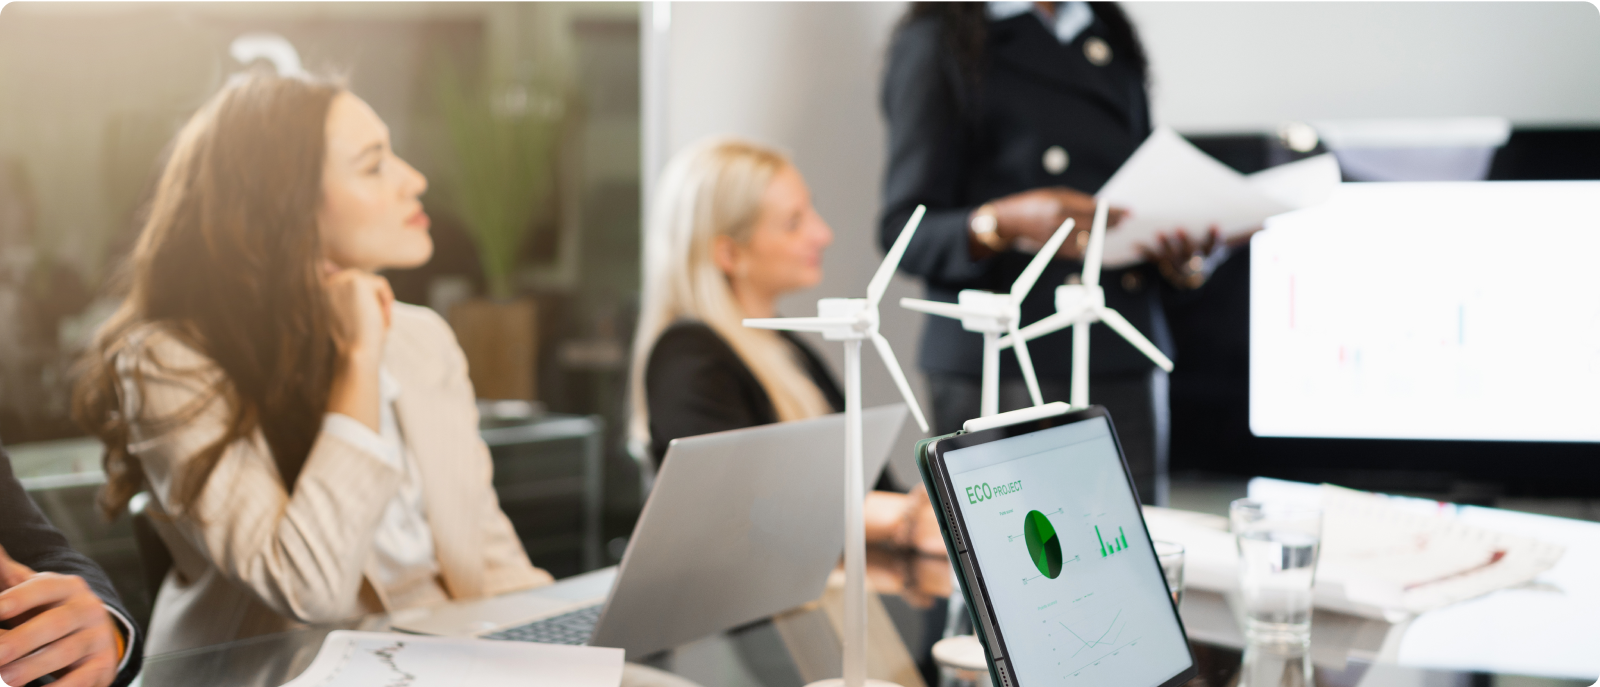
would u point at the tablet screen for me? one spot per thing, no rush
(1057, 534)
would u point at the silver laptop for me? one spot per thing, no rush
(740, 525)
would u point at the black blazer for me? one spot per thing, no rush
(31, 540)
(695, 384)
(956, 142)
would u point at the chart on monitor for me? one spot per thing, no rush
(1450, 311)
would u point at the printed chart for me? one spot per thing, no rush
(377, 659)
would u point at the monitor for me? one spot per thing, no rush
(1430, 310)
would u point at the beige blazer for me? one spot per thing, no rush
(251, 559)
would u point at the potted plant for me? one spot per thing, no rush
(500, 180)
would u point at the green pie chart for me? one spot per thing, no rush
(1043, 545)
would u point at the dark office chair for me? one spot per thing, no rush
(153, 552)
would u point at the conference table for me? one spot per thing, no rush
(1346, 650)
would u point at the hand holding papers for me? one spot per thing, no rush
(352, 659)
(1169, 184)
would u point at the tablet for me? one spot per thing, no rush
(1042, 522)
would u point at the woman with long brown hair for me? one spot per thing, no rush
(311, 444)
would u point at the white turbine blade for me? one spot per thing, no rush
(940, 308)
(1036, 266)
(1025, 361)
(891, 262)
(800, 324)
(1049, 325)
(1097, 245)
(1121, 326)
(887, 355)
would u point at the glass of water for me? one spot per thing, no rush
(1170, 554)
(1278, 545)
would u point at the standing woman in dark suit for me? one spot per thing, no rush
(1004, 119)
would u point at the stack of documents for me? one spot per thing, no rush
(1380, 558)
(371, 659)
(1168, 184)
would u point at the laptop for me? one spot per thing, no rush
(740, 525)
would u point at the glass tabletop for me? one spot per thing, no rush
(1346, 651)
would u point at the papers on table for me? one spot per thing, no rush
(1543, 627)
(1169, 184)
(1381, 557)
(1392, 557)
(376, 659)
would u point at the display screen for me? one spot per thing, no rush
(1055, 528)
(1445, 311)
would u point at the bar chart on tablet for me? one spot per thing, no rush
(1457, 311)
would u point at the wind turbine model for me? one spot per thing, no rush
(851, 320)
(1078, 306)
(996, 314)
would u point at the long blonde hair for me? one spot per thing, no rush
(713, 188)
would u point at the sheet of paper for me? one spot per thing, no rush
(1299, 184)
(1545, 628)
(1169, 184)
(382, 659)
(1387, 555)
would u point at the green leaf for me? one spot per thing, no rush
(501, 164)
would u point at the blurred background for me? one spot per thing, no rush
(597, 96)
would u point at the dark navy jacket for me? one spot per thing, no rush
(956, 142)
(31, 540)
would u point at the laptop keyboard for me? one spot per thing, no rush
(575, 627)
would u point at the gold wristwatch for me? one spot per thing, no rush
(985, 227)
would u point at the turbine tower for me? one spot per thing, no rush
(852, 320)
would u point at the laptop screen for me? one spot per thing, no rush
(1056, 531)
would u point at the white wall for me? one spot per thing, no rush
(1241, 66)
(805, 76)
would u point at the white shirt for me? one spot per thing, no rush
(403, 545)
(1071, 17)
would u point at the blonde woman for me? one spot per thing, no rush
(732, 229)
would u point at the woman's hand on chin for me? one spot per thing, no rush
(360, 303)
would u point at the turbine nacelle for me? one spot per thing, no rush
(1078, 297)
(863, 318)
(988, 312)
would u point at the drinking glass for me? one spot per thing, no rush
(1170, 554)
(1276, 665)
(1278, 545)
